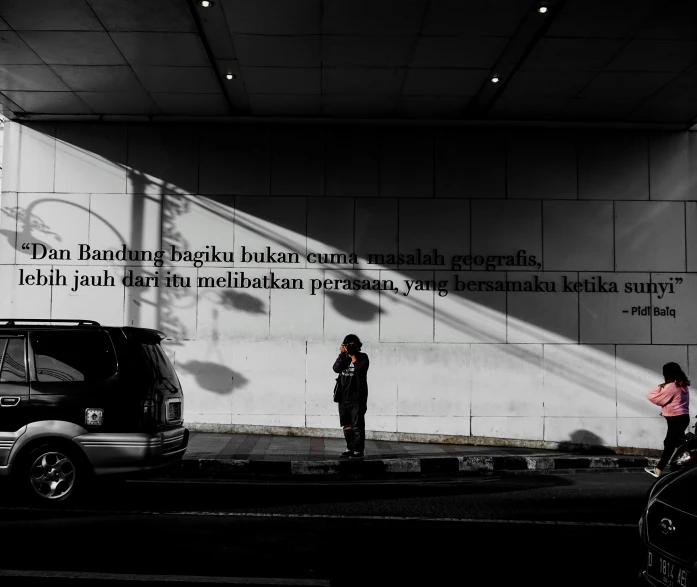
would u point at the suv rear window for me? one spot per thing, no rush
(73, 356)
(158, 363)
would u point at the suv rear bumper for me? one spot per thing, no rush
(133, 452)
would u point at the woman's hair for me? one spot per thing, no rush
(674, 374)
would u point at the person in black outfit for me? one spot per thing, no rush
(353, 365)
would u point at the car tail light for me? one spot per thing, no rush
(174, 411)
(685, 458)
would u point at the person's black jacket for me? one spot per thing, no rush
(359, 392)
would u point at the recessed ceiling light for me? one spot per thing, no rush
(205, 3)
(542, 9)
(495, 80)
(230, 76)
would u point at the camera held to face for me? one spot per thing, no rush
(352, 344)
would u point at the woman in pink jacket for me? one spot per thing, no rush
(674, 398)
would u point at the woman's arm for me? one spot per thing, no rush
(341, 363)
(661, 395)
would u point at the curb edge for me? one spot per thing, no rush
(412, 466)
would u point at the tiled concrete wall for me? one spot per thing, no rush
(619, 207)
(2, 138)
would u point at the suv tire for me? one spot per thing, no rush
(51, 474)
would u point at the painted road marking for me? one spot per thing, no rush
(491, 477)
(327, 517)
(172, 578)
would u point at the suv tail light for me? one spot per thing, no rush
(174, 411)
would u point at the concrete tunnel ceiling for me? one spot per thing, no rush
(631, 62)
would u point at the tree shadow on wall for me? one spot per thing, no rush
(30, 224)
(171, 302)
(242, 301)
(586, 442)
(214, 376)
(353, 306)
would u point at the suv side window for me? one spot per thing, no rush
(64, 356)
(12, 368)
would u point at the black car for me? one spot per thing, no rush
(80, 400)
(668, 531)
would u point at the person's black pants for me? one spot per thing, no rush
(352, 420)
(674, 437)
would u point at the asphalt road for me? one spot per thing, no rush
(543, 529)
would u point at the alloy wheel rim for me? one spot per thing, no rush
(52, 475)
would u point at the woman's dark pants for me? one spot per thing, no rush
(674, 437)
(352, 419)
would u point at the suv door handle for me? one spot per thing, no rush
(9, 402)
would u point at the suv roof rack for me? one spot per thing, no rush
(13, 321)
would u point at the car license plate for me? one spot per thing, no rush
(667, 572)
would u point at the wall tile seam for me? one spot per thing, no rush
(506, 164)
(651, 311)
(50, 302)
(55, 154)
(126, 167)
(126, 306)
(426, 198)
(440, 417)
(326, 139)
(507, 325)
(544, 387)
(196, 314)
(295, 414)
(440, 343)
(379, 153)
(659, 417)
(433, 160)
(686, 238)
(542, 233)
(270, 153)
(433, 310)
(617, 408)
(363, 269)
(649, 142)
(577, 167)
(577, 417)
(578, 310)
(14, 221)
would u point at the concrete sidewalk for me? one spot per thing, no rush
(253, 454)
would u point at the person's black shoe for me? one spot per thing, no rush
(356, 455)
(346, 454)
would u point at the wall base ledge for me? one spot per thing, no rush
(426, 438)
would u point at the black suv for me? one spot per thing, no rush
(78, 400)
